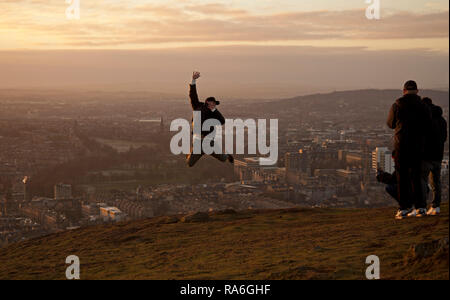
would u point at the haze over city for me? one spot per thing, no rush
(245, 49)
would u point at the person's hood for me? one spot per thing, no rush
(436, 111)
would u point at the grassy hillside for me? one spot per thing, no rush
(285, 244)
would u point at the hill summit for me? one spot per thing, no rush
(278, 244)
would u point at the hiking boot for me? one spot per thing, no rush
(230, 158)
(418, 213)
(402, 214)
(434, 211)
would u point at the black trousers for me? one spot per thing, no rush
(431, 173)
(410, 186)
(192, 159)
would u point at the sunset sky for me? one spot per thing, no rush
(414, 30)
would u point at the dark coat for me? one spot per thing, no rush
(411, 120)
(206, 113)
(437, 136)
(387, 178)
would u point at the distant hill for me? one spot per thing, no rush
(281, 244)
(348, 108)
(362, 97)
(384, 96)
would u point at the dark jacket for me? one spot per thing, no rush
(387, 178)
(206, 113)
(411, 120)
(437, 136)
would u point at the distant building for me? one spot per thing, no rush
(347, 174)
(90, 209)
(298, 161)
(152, 124)
(444, 169)
(354, 158)
(63, 191)
(26, 195)
(244, 168)
(111, 213)
(342, 155)
(324, 172)
(382, 159)
(5, 204)
(249, 170)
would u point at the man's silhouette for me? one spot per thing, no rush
(411, 120)
(208, 111)
(434, 154)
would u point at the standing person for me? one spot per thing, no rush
(391, 183)
(410, 119)
(434, 154)
(390, 180)
(208, 110)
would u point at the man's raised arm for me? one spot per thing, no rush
(196, 104)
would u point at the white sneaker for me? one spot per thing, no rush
(434, 211)
(401, 214)
(418, 213)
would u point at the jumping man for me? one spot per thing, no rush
(208, 111)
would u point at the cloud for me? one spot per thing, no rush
(216, 9)
(42, 24)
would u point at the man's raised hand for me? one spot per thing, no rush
(196, 75)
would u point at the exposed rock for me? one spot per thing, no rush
(427, 250)
(168, 220)
(228, 212)
(320, 249)
(196, 217)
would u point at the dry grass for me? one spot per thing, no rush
(284, 244)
